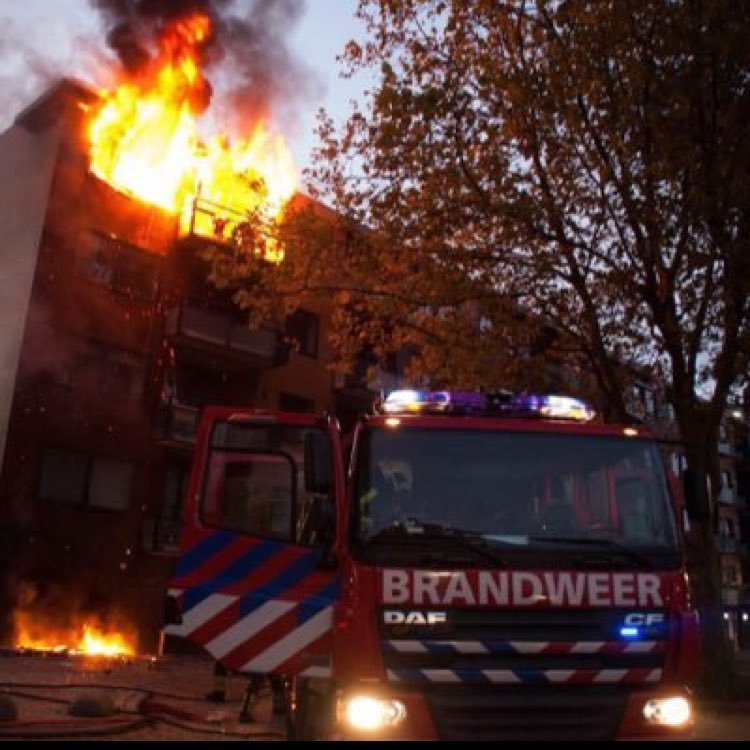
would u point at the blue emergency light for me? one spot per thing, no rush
(630, 632)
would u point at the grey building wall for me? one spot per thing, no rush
(27, 162)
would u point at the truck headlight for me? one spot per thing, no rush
(368, 713)
(669, 712)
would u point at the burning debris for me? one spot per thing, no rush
(47, 628)
(82, 640)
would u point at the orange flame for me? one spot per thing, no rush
(144, 141)
(89, 640)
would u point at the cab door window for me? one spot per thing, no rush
(254, 482)
(257, 496)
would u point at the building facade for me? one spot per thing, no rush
(731, 527)
(112, 341)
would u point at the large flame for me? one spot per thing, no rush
(87, 638)
(144, 141)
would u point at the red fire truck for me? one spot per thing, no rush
(464, 567)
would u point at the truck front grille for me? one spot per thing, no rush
(473, 713)
(523, 646)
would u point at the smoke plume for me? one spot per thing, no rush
(248, 57)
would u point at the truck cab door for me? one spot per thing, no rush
(255, 583)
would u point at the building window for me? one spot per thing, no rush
(63, 477)
(175, 491)
(290, 402)
(122, 267)
(648, 399)
(679, 463)
(303, 327)
(730, 575)
(83, 480)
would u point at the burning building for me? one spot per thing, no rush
(113, 338)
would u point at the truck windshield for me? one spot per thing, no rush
(561, 494)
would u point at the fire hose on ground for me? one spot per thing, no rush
(147, 711)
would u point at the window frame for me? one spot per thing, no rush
(301, 501)
(306, 322)
(83, 501)
(117, 259)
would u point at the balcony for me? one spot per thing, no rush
(204, 222)
(206, 328)
(726, 449)
(728, 545)
(176, 424)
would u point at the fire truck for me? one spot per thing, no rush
(461, 566)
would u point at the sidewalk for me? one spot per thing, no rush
(137, 699)
(728, 721)
(164, 699)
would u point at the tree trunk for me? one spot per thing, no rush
(704, 566)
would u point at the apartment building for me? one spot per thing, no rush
(733, 496)
(112, 341)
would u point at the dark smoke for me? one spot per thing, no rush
(248, 58)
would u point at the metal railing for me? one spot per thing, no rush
(230, 227)
(218, 329)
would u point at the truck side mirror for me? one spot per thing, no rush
(697, 498)
(318, 462)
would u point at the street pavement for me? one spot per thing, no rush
(165, 699)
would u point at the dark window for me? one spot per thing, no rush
(290, 402)
(730, 575)
(122, 267)
(168, 524)
(303, 327)
(121, 374)
(80, 479)
(175, 491)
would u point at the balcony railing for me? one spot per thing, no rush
(728, 545)
(229, 226)
(219, 330)
(176, 423)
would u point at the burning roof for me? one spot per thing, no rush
(143, 137)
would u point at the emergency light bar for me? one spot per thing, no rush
(553, 407)
(412, 401)
(471, 402)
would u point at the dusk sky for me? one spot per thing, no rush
(42, 40)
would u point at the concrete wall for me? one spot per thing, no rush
(27, 162)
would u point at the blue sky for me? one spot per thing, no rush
(42, 40)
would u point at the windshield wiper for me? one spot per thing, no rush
(472, 541)
(607, 544)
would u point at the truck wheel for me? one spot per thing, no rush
(311, 717)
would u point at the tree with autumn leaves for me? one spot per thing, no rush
(535, 182)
